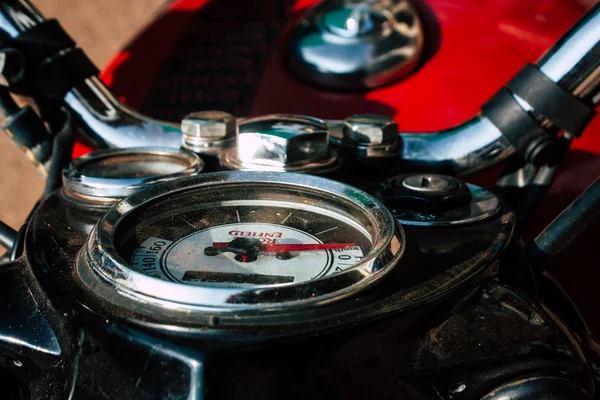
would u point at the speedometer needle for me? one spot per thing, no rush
(248, 249)
(285, 248)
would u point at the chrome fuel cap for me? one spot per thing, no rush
(357, 44)
(283, 143)
(105, 176)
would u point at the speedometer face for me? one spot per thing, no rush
(243, 239)
(249, 243)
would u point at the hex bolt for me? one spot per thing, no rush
(283, 140)
(370, 129)
(204, 129)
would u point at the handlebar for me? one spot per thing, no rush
(573, 63)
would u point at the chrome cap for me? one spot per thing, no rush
(282, 143)
(106, 176)
(357, 44)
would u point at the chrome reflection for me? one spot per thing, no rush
(107, 122)
(356, 44)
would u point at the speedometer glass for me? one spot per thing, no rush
(245, 243)
(244, 237)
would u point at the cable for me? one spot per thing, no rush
(567, 226)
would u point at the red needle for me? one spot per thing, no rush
(283, 248)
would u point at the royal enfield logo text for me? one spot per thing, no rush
(277, 235)
(264, 237)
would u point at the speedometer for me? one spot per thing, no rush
(245, 238)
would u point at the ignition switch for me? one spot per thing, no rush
(424, 192)
(436, 200)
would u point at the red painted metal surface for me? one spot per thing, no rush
(473, 48)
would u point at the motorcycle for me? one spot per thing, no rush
(280, 255)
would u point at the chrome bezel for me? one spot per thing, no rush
(102, 188)
(99, 264)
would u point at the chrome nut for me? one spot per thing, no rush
(282, 140)
(370, 129)
(207, 126)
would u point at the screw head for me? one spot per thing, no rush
(370, 129)
(429, 183)
(208, 126)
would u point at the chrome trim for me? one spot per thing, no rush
(574, 61)
(101, 186)
(473, 146)
(107, 122)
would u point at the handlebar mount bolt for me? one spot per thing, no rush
(370, 129)
(209, 132)
(283, 143)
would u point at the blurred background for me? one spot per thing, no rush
(101, 28)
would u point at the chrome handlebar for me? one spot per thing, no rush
(573, 62)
